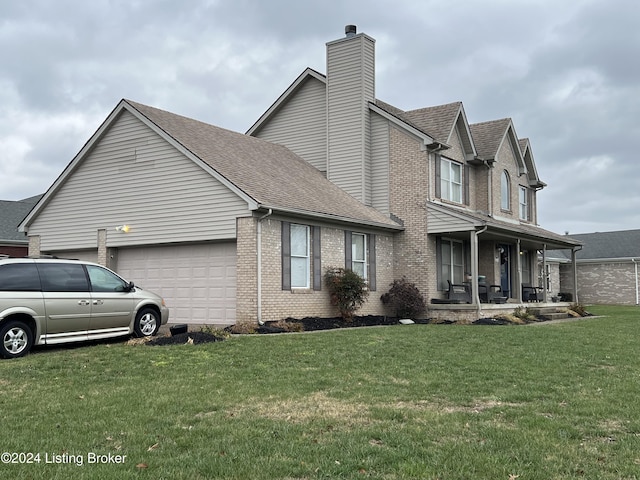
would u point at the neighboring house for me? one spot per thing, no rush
(231, 228)
(606, 268)
(12, 242)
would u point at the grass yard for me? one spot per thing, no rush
(421, 401)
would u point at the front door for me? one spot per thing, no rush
(505, 269)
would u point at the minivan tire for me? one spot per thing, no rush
(147, 323)
(16, 339)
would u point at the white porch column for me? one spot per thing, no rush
(474, 267)
(544, 272)
(575, 275)
(518, 272)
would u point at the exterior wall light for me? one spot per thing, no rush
(123, 228)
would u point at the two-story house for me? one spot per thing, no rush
(465, 194)
(240, 228)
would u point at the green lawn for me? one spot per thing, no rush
(421, 401)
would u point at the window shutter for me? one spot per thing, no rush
(372, 263)
(317, 262)
(438, 186)
(439, 262)
(530, 205)
(286, 256)
(465, 180)
(347, 250)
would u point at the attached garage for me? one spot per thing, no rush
(198, 281)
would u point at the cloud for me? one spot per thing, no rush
(565, 72)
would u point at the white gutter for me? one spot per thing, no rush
(259, 259)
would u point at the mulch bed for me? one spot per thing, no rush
(307, 324)
(183, 338)
(311, 324)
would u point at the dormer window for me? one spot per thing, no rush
(450, 180)
(505, 191)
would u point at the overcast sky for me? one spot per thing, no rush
(566, 72)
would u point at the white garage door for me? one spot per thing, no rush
(198, 282)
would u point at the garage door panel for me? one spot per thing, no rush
(198, 282)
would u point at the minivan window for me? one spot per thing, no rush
(19, 277)
(103, 280)
(63, 277)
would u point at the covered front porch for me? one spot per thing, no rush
(487, 265)
(468, 313)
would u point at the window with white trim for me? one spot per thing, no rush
(505, 191)
(300, 258)
(450, 180)
(451, 262)
(359, 254)
(524, 203)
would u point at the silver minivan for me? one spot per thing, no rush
(46, 301)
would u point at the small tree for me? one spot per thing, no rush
(404, 299)
(347, 289)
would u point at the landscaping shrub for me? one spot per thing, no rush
(288, 325)
(404, 299)
(524, 314)
(347, 289)
(579, 309)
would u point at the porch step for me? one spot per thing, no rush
(548, 313)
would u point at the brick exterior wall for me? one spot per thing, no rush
(34, 245)
(14, 251)
(554, 280)
(246, 270)
(602, 283)
(297, 303)
(414, 252)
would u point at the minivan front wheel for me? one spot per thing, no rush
(147, 323)
(16, 339)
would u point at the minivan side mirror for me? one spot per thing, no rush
(130, 286)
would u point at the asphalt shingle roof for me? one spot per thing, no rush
(270, 174)
(11, 214)
(487, 136)
(438, 121)
(618, 244)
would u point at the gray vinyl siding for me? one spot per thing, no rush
(133, 176)
(438, 222)
(301, 124)
(350, 86)
(380, 163)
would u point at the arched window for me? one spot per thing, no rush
(505, 191)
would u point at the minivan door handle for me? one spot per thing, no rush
(98, 302)
(84, 302)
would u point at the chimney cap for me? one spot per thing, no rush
(350, 30)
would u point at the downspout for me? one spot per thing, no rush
(259, 259)
(635, 265)
(474, 269)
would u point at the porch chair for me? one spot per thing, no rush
(531, 293)
(490, 293)
(459, 292)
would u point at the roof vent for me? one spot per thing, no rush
(350, 31)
